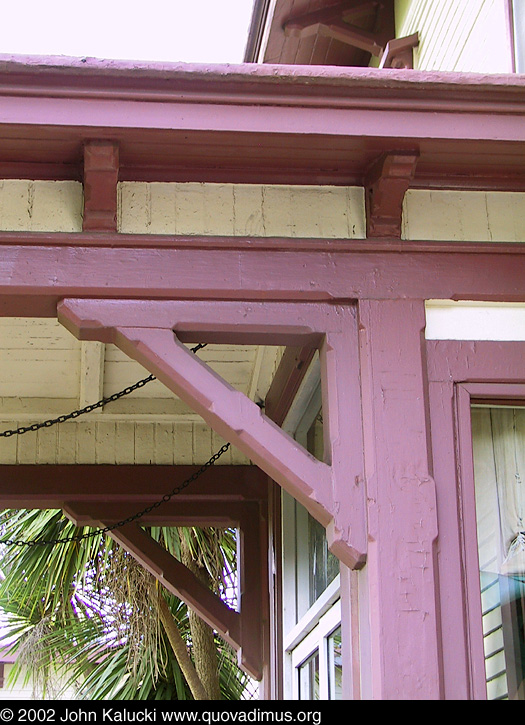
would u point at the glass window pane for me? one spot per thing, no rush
(309, 678)
(335, 665)
(324, 566)
(499, 468)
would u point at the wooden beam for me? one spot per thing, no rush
(286, 382)
(34, 276)
(92, 355)
(36, 486)
(205, 512)
(253, 588)
(402, 575)
(232, 415)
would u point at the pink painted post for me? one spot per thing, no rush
(402, 517)
(457, 675)
(343, 437)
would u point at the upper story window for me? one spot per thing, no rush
(518, 27)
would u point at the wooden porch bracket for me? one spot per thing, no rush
(101, 170)
(245, 630)
(332, 491)
(335, 22)
(399, 52)
(386, 183)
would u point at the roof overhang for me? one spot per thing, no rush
(260, 123)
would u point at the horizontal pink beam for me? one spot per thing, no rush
(34, 278)
(475, 361)
(61, 73)
(102, 116)
(275, 323)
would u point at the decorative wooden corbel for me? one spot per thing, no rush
(399, 52)
(101, 170)
(386, 183)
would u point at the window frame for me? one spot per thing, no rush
(462, 373)
(467, 395)
(316, 640)
(303, 623)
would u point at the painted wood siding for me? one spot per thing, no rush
(38, 357)
(41, 206)
(457, 35)
(238, 210)
(467, 216)
(117, 442)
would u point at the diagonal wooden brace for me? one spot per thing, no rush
(333, 492)
(179, 580)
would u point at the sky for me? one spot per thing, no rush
(193, 31)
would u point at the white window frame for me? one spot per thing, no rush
(305, 628)
(317, 640)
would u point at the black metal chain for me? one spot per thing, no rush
(88, 408)
(130, 519)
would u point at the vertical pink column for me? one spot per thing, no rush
(402, 518)
(463, 655)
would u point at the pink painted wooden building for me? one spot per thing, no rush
(342, 220)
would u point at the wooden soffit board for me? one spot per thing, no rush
(260, 123)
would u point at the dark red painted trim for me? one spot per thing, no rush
(101, 170)
(286, 382)
(320, 124)
(36, 486)
(386, 183)
(359, 247)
